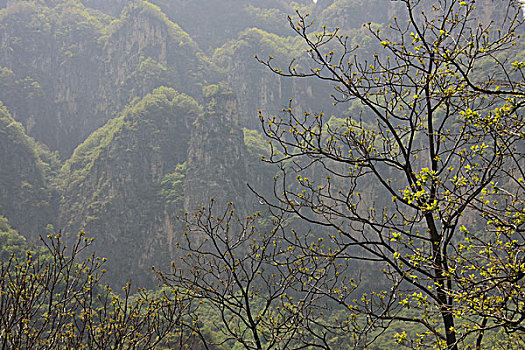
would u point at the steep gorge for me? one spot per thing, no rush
(145, 123)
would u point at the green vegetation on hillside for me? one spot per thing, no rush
(23, 183)
(11, 242)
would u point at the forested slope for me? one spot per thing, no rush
(25, 192)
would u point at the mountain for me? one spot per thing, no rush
(113, 182)
(129, 180)
(68, 69)
(217, 160)
(120, 121)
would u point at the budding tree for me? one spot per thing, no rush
(423, 179)
(52, 299)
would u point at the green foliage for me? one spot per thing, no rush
(211, 90)
(15, 132)
(349, 14)
(11, 242)
(269, 19)
(154, 105)
(128, 177)
(140, 9)
(255, 41)
(256, 144)
(65, 36)
(22, 176)
(112, 61)
(505, 341)
(78, 28)
(66, 22)
(86, 153)
(173, 187)
(436, 158)
(223, 20)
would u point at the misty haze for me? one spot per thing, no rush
(271, 174)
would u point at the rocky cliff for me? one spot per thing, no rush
(113, 183)
(116, 87)
(217, 163)
(257, 87)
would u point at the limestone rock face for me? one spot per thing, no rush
(55, 53)
(67, 72)
(258, 88)
(210, 30)
(217, 163)
(144, 50)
